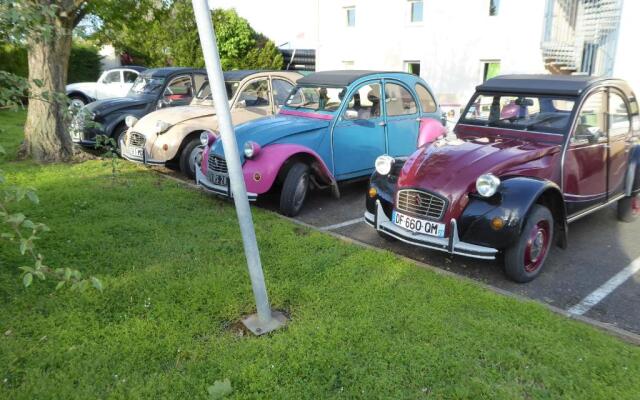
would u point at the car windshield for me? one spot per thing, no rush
(549, 114)
(316, 98)
(146, 84)
(205, 90)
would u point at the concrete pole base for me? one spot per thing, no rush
(257, 327)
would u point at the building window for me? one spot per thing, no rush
(351, 16)
(412, 67)
(490, 69)
(494, 7)
(416, 10)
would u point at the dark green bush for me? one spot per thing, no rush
(84, 63)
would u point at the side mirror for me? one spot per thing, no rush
(351, 114)
(241, 104)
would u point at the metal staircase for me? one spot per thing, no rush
(580, 36)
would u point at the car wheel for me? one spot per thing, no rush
(523, 261)
(294, 189)
(77, 102)
(190, 157)
(629, 208)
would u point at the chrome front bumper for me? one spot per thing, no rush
(451, 245)
(224, 191)
(141, 160)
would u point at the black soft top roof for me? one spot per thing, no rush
(166, 71)
(335, 78)
(562, 85)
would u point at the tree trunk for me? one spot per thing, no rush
(46, 128)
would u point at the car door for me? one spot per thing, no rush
(178, 92)
(401, 119)
(619, 127)
(585, 165)
(359, 133)
(109, 85)
(253, 101)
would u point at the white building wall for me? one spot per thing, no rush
(627, 61)
(451, 42)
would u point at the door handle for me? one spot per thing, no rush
(382, 123)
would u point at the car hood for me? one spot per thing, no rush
(176, 115)
(269, 130)
(107, 106)
(450, 167)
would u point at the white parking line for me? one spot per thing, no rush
(342, 224)
(603, 291)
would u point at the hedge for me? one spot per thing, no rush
(84, 63)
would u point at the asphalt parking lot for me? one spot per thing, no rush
(597, 276)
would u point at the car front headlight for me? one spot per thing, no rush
(487, 185)
(130, 121)
(384, 164)
(162, 126)
(251, 149)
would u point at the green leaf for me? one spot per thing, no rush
(60, 285)
(220, 389)
(27, 279)
(27, 223)
(96, 283)
(7, 235)
(67, 274)
(40, 275)
(25, 244)
(16, 219)
(33, 197)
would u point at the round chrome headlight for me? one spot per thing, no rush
(130, 120)
(487, 185)
(162, 126)
(204, 138)
(251, 149)
(384, 164)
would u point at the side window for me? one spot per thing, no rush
(590, 126)
(364, 103)
(426, 99)
(198, 81)
(180, 88)
(619, 122)
(254, 94)
(399, 100)
(130, 76)
(112, 77)
(281, 90)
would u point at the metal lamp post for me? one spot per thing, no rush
(264, 320)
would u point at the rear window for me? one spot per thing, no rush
(527, 113)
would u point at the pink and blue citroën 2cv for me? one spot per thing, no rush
(331, 129)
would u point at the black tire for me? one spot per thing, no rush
(629, 208)
(189, 158)
(295, 189)
(524, 260)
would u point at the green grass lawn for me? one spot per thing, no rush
(364, 324)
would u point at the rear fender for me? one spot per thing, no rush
(261, 172)
(512, 203)
(429, 131)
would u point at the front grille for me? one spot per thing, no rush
(420, 204)
(218, 164)
(136, 139)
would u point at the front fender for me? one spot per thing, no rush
(632, 182)
(512, 203)
(261, 172)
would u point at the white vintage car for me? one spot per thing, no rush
(114, 82)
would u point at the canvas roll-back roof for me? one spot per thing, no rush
(562, 85)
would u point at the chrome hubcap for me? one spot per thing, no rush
(536, 246)
(195, 158)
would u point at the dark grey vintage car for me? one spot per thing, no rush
(154, 89)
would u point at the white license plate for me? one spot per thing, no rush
(136, 151)
(418, 225)
(217, 179)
